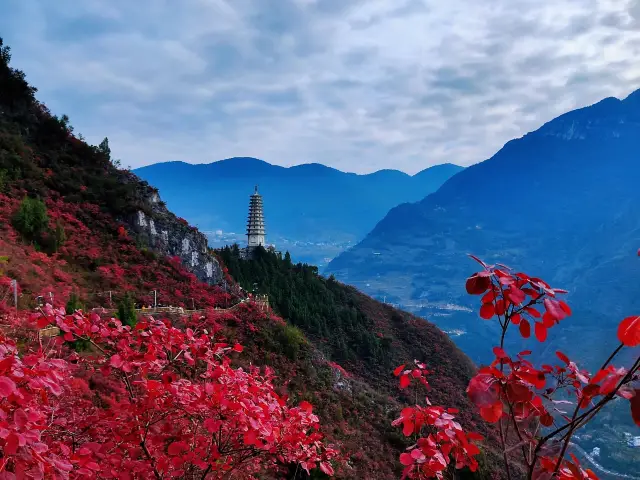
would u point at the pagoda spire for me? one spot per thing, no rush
(255, 221)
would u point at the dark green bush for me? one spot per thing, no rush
(31, 219)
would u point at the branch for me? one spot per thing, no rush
(577, 421)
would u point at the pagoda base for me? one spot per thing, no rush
(248, 253)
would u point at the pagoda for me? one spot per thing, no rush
(255, 223)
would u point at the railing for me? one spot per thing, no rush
(179, 310)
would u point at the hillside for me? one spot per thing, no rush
(560, 202)
(82, 233)
(308, 203)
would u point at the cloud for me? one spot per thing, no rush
(359, 85)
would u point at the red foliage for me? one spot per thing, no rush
(444, 439)
(337, 367)
(89, 247)
(152, 401)
(515, 394)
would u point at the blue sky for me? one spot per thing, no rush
(359, 85)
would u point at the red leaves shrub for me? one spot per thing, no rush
(89, 248)
(152, 401)
(340, 369)
(442, 437)
(518, 396)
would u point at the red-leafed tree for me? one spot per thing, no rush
(151, 401)
(522, 399)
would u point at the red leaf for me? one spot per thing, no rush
(599, 376)
(398, 370)
(488, 297)
(563, 357)
(42, 322)
(326, 468)
(629, 331)
(566, 308)
(406, 459)
(176, 448)
(548, 320)
(487, 311)
(516, 295)
(525, 328)
(515, 318)
(405, 381)
(238, 348)
(499, 352)
(493, 413)
(11, 444)
(211, 425)
(20, 418)
(635, 407)
(541, 332)
(481, 390)
(250, 437)
(553, 307)
(408, 428)
(116, 361)
(477, 285)
(7, 386)
(546, 419)
(306, 406)
(533, 312)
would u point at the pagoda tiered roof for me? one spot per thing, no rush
(255, 220)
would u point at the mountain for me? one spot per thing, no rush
(308, 203)
(81, 233)
(561, 203)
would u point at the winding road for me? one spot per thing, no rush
(599, 467)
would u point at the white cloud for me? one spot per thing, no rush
(359, 85)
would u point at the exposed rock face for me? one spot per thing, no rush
(153, 225)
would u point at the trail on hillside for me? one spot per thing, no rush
(599, 467)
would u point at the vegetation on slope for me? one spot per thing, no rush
(60, 201)
(362, 336)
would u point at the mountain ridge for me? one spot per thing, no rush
(257, 161)
(507, 206)
(312, 204)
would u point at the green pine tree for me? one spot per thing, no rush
(31, 219)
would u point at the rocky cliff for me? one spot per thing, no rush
(158, 229)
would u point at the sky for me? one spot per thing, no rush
(359, 85)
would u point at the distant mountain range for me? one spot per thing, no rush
(305, 203)
(562, 202)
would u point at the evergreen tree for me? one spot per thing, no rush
(321, 307)
(127, 311)
(73, 304)
(104, 149)
(31, 219)
(59, 236)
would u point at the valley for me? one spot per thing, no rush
(560, 202)
(317, 253)
(241, 305)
